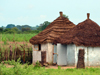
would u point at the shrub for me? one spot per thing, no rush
(37, 65)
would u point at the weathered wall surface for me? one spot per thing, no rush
(67, 54)
(50, 53)
(70, 54)
(48, 47)
(44, 47)
(36, 56)
(92, 55)
(85, 55)
(62, 55)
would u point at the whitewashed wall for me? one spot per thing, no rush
(36, 56)
(48, 47)
(50, 53)
(85, 55)
(92, 55)
(68, 55)
(44, 47)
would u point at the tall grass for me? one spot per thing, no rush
(16, 37)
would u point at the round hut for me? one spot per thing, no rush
(85, 35)
(45, 39)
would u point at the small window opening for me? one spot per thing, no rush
(39, 47)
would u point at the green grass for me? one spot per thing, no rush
(16, 37)
(29, 70)
(25, 69)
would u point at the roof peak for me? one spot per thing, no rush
(88, 15)
(61, 14)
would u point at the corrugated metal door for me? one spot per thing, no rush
(55, 54)
(62, 55)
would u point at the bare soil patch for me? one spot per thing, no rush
(9, 66)
(70, 67)
(54, 67)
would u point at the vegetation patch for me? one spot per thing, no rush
(19, 69)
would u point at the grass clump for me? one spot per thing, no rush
(38, 65)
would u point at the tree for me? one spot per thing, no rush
(65, 16)
(1, 29)
(10, 26)
(14, 29)
(7, 29)
(19, 27)
(43, 25)
(37, 26)
(25, 29)
(10, 32)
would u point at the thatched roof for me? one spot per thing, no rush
(86, 33)
(53, 30)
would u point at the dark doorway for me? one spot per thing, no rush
(39, 47)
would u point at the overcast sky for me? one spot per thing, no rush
(35, 12)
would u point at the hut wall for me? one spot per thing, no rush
(71, 54)
(68, 55)
(36, 55)
(62, 55)
(85, 55)
(48, 47)
(92, 55)
(50, 53)
(44, 47)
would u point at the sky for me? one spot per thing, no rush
(35, 12)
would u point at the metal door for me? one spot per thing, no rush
(62, 54)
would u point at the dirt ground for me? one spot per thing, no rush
(54, 67)
(49, 67)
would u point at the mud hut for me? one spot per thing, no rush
(45, 39)
(85, 35)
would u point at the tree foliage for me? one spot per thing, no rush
(43, 25)
(25, 29)
(10, 26)
(65, 16)
(1, 29)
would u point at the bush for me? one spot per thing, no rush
(37, 65)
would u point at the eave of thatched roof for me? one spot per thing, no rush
(54, 30)
(86, 33)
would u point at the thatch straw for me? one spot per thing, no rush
(86, 33)
(54, 30)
